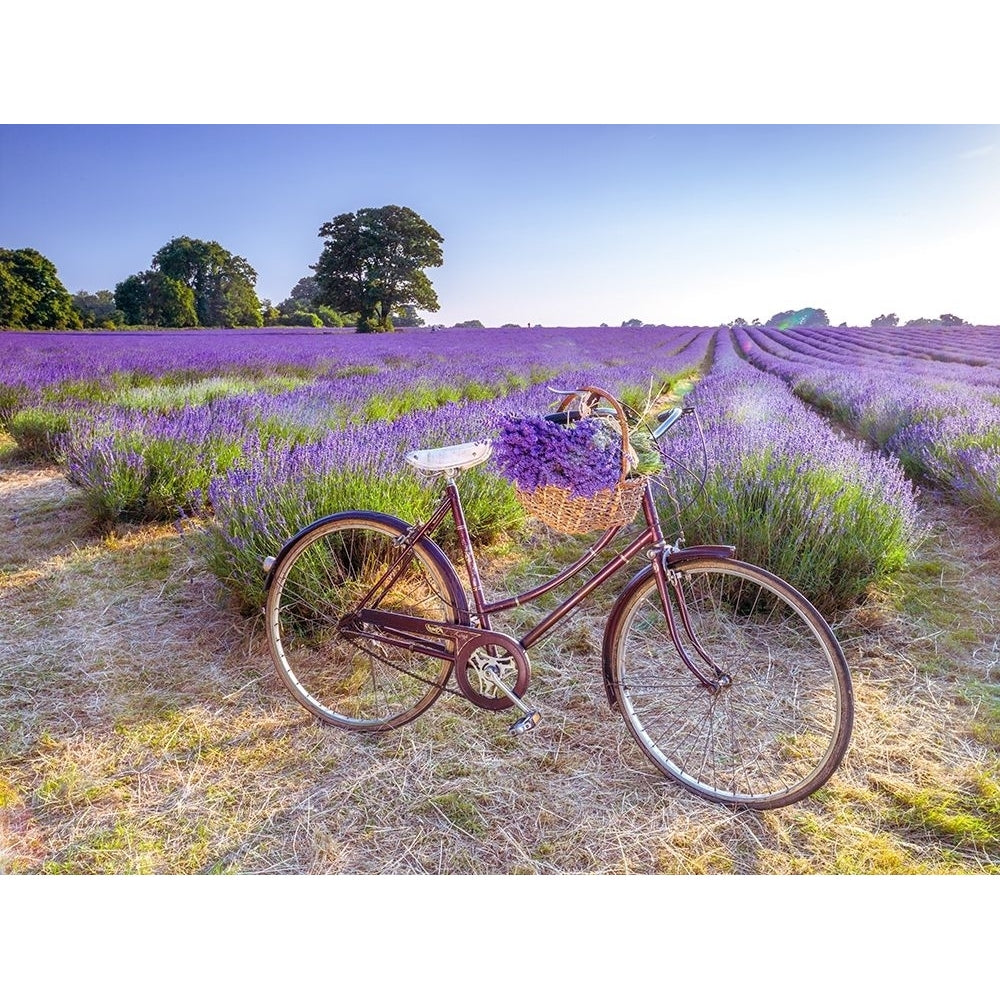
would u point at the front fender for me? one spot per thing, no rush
(671, 559)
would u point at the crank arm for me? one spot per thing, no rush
(531, 716)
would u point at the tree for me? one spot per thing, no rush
(945, 319)
(373, 263)
(890, 319)
(31, 295)
(97, 310)
(470, 324)
(406, 316)
(151, 298)
(799, 317)
(270, 314)
(632, 322)
(223, 284)
(302, 297)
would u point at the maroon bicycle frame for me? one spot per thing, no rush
(660, 553)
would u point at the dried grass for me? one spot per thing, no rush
(144, 731)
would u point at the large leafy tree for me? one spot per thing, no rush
(31, 295)
(223, 284)
(886, 319)
(151, 298)
(373, 263)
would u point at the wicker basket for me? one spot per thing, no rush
(609, 508)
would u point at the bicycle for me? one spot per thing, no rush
(727, 677)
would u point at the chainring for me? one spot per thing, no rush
(479, 661)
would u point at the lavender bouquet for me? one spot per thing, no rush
(583, 457)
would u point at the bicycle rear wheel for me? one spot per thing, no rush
(339, 670)
(779, 725)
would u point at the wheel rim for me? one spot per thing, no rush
(347, 675)
(771, 735)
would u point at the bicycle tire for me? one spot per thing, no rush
(345, 679)
(781, 726)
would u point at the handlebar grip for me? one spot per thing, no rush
(564, 416)
(668, 418)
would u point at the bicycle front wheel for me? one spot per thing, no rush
(339, 670)
(780, 721)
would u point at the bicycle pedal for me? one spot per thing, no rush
(525, 723)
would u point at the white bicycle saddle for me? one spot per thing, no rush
(454, 458)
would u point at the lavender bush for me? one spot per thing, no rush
(818, 510)
(933, 408)
(259, 433)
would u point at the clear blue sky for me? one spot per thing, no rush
(555, 225)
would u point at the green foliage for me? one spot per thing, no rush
(303, 308)
(191, 283)
(140, 477)
(251, 524)
(632, 322)
(302, 297)
(331, 318)
(223, 284)
(945, 319)
(300, 319)
(39, 432)
(800, 317)
(270, 314)
(98, 310)
(13, 397)
(164, 397)
(406, 316)
(373, 263)
(890, 319)
(470, 324)
(154, 299)
(825, 536)
(31, 295)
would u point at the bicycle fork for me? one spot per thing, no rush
(666, 576)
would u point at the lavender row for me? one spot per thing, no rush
(782, 486)
(37, 360)
(833, 348)
(941, 427)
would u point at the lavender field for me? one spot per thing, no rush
(259, 434)
(825, 453)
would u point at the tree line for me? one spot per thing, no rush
(369, 275)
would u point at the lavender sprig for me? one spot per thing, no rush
(581, 457)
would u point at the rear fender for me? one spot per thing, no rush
(427, 545)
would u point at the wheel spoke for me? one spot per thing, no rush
(338, 675)
(780, 726)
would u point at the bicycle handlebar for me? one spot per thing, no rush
(666, 419)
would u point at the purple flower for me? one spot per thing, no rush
(583, 457)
